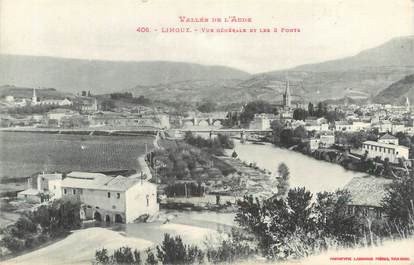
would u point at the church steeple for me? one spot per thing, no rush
(34, 97)
(287, 101)
(407, 105)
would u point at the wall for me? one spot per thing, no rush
(55, 187)
(97, 198)
(136, 200)
(392, 155)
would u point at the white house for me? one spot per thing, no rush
(327, 140)
(260, 122)
(111, 199)
(50, 184)
(383, 150)
(46, 187)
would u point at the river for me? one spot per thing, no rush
(305, 171)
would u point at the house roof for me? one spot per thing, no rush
(33, 192)
(388, 137)
(97, 181)
(367, 191)
(51, 176)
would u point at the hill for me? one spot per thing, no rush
(397, 92)
(104, 76)
(27, 92)
(358, 77)
(361, 76)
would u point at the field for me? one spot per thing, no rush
(23, 154)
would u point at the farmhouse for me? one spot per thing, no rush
(366, 196)
(111, 199)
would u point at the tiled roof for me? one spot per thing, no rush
(367, 191)
(388, 137)
(51, 176)
(30, 192)
(97, 181)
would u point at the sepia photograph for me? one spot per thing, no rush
(206, 132)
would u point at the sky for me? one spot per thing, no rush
(106, 30)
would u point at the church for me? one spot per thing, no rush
(49, 102)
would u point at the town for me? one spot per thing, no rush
(120, 147)
(370, 138)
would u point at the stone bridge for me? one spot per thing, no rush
(210, 118)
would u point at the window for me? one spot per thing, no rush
(147, 200)
(65, 191)
(118, 195)
(109, 195)
(378, 213)
(80, 191)
(74, 192)
(350, 210)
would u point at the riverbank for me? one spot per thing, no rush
(315, 175)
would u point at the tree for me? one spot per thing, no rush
(101, 256)
(286, 136)
(299, 201)
(277, 128)
(322, 109)
(108, 105)
(300, 114)
(283, 180)
(300, 132)
(311, 109)
(331, 216)
(207, 107)
(172, 250)
(254, 107)
(123, 255)
(151, 259)
(399, 201)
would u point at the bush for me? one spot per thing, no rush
(151, 260)
(173, 251)
(101, 256)
(123, 256)
(13, 244)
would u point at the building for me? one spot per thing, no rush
(366, 196)
(50, 102)
(111, 199)
(50, 184)
(260, 122)
(44, 188)
(384, 150)
(355, 126)
(57, 115)
(314, 144)
(327, 140)
(388, 139)
(30, 195)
